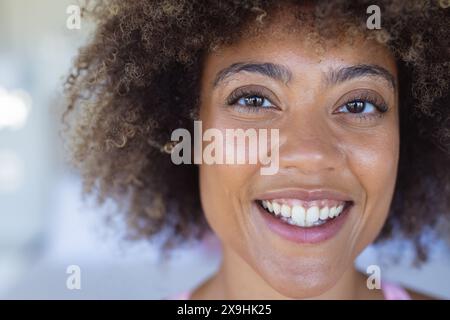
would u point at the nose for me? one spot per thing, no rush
(311, 149)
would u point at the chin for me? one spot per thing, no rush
(299, 276)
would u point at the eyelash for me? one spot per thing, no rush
(235, 96)
(364, 97)
(379, 104)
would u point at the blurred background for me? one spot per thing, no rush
(45, 227)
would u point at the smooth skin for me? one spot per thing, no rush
(322, 146)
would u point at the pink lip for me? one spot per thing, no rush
(309, 235)
(305, 195)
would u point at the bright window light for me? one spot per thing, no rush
(14, 109)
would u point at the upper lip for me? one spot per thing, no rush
(305, 195)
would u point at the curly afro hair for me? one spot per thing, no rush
(138, 79)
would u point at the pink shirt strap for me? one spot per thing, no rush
(181, 296)
(392, 291)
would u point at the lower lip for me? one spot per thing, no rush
(305, 235)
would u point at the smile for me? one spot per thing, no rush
(304, 214)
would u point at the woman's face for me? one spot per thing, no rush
(337, 115)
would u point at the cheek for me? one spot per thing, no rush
(223, 190)
(374, 164)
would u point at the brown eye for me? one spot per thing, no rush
(254, 101)
(358, 106)
(362, 105)
(355, 106)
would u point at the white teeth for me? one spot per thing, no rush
(298, 215)
(339, 210)
(276, 208)
(312, 215)
(332, 213)
(285, 211)
(324, 213)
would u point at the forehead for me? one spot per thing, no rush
(303, 51)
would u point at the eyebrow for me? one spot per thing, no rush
(336, 76)
(283, 74)
(272, 70)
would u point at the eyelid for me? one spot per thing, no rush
(360, 113)
(366, 95)
(249, 90)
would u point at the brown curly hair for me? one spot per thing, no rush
(138, 80)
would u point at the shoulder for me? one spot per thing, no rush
(415, 295)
